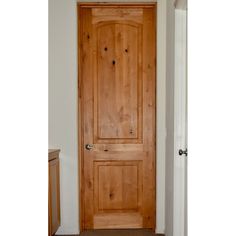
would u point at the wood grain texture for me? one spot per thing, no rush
(54, 195)
(53, 154)
(118, 220)
(117, 56)
(117, 186)
(149, 141)
(80, 121)
(117, 14)
(86, 59)
(116, 5)
(117, 87)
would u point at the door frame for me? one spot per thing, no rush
(180, 130)
(80, 101)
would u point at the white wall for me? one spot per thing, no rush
(63, 107)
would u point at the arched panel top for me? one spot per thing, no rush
(114, 22)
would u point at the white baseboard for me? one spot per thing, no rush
(159, 231)
(67, 231)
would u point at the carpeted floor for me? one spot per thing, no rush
(122, 232)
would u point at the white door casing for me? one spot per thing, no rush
(180, 162)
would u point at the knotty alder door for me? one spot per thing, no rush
(117, 54)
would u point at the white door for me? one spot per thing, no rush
(180, 161)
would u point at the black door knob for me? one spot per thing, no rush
(185, 152)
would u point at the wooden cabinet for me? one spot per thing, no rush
(53, 191)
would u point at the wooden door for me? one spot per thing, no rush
(117, 60)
